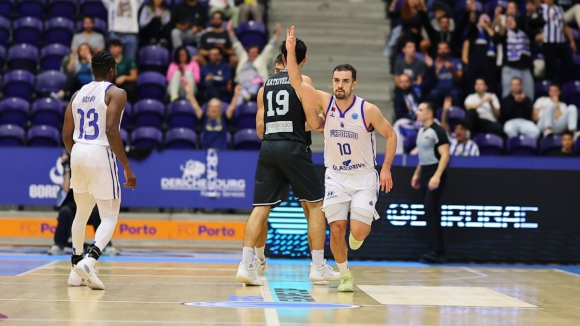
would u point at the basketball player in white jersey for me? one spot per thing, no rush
(91, 135)
(351, 181)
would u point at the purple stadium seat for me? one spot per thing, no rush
(151, 84)
(146, 137)
(14, 111)
(47, 111)
(181, 138)
(550, 144)
(6, 8)
(541, 88)
(30, 8)
(180, 114)
(410, 143)
(252, 33)
(148, 113)
(153, 58)
(49, 81)
(100, 26)
(245, 115)
(247, 139)
(455, 114)
(11, 136)
(571, 93)
(127, 116)
(51, 56)
(2, 56)
(23, 56)
(43, 136)
(489, 144)
(59, 30)
(124, 136)
(4, 29)
(93, 8)
(522, 146)
(19, 83)
(62, 8)
(27, 30)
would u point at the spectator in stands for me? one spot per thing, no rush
(123, 24)
(410, 66)
(66, 214)
(444, 33)
(448, 74)
(154, 23)
(190, 19)
(216, 37)
(516, 57)
(555, 46)
(533, 23)
(126, 70)
(94, 39)
(214, 134)
(227, 7)
(516, 112)
(256, 8)
(216, 76)
(439, 10)
(553, 116)
(567, 149)
(182, 70)
(411, 25)
(406, 100)
(459, 143)
(252, 62)
(479, 52)
(78, 71)
(483, 109)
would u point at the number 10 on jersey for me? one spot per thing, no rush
(344, 148)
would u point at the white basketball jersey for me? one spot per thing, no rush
(90, 114)
(349, 146)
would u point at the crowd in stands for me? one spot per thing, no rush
(171, 56)
(504, 73)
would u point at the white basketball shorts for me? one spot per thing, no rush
(94, 170)
(360, 189)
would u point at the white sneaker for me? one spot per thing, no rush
(55, 250)
(261, 265)
(323, 273)
(248, 276)
(74, 279)
(87, 270)
(110, 251)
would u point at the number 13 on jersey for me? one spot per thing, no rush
(93, 118)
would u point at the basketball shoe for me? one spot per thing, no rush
(248, 275)
(86, 270)
(323, 273)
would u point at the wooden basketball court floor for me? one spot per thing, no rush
(202, 291)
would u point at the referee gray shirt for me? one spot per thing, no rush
(428, 141)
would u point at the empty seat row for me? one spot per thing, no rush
(45, 111)
(21, 84)
(142, 137)
(39, 8)
(26, 57)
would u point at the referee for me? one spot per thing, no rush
(430, 177)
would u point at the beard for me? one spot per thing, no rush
(341, 96)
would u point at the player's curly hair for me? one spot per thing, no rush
(300, 50)
(101, 63)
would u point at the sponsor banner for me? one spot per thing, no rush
(133, 229)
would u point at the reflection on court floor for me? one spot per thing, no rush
(200, 289)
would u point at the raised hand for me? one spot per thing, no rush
(291, 39)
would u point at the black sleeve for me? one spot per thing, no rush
(427, 24)
(441, 136)
(203, 42)
(528, 108)
(506, 108)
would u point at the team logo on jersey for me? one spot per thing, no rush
(371, 203)
(332, 112)
(342, 124)
(355, 116)
(346, 163)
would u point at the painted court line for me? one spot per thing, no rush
(565, 272)
(38, 268)
(271, 315)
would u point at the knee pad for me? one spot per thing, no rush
(362, 215)
(336, 212)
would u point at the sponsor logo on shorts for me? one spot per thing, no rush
(331, 194)
(192, 179)
(348, 166)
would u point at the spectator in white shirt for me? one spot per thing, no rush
(124, 24)
(483, 109)
(553, 116)
(459, 143)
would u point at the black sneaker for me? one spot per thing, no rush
(433, 257)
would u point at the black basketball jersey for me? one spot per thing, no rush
(284, 117)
